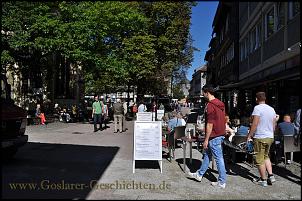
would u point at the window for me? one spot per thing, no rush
(296, 8)
(280, 15)
(258, 35)
(253, 40)
(242, 50)
(246, 46)
(233, 51)
(270, 18)
(230, 53)
(227, 24)
(221, 34)
(293, 9)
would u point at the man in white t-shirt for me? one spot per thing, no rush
(262, 130)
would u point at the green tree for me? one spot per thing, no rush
(170, 22)
(177, 92)
(117, 43)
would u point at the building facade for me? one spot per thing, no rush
(59, 81)
(198, 81)
(269, 37)
(223, 55)
(268, 56)
(185, 87)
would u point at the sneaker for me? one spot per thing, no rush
(195, 175)
(219, 185)
(262, 183)
(271, 180)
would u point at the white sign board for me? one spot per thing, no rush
(160, 114)
(144, 116)
(147, 141)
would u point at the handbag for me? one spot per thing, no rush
(250, 147)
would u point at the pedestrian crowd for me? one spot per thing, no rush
(260, 129)
(263, 128)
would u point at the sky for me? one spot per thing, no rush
(201, 30)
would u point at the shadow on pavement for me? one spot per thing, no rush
(41, 170)
(231, 169)
(147, 164)
(281, 171)
(237, 169)
(194, 166)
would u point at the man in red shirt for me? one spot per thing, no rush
(215, 131)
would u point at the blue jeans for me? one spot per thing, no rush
(97, 119)
(214, 149)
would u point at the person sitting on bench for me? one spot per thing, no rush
(286, 128)
(40, 114)
(244, 127)
(229, 132)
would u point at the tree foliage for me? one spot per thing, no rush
(117, 43)
(177, 92)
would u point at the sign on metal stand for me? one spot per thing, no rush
(160, 114)
(147, 141)
(144, 116)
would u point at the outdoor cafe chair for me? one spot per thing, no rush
(167, 141)
(284, 144)
(180, 133)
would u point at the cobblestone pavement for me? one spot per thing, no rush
(71, 161)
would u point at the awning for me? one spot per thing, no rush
(292, 73)
(229, 86)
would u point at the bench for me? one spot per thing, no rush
(33, 120)
(50, 119)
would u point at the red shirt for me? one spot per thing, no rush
(215, 112)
